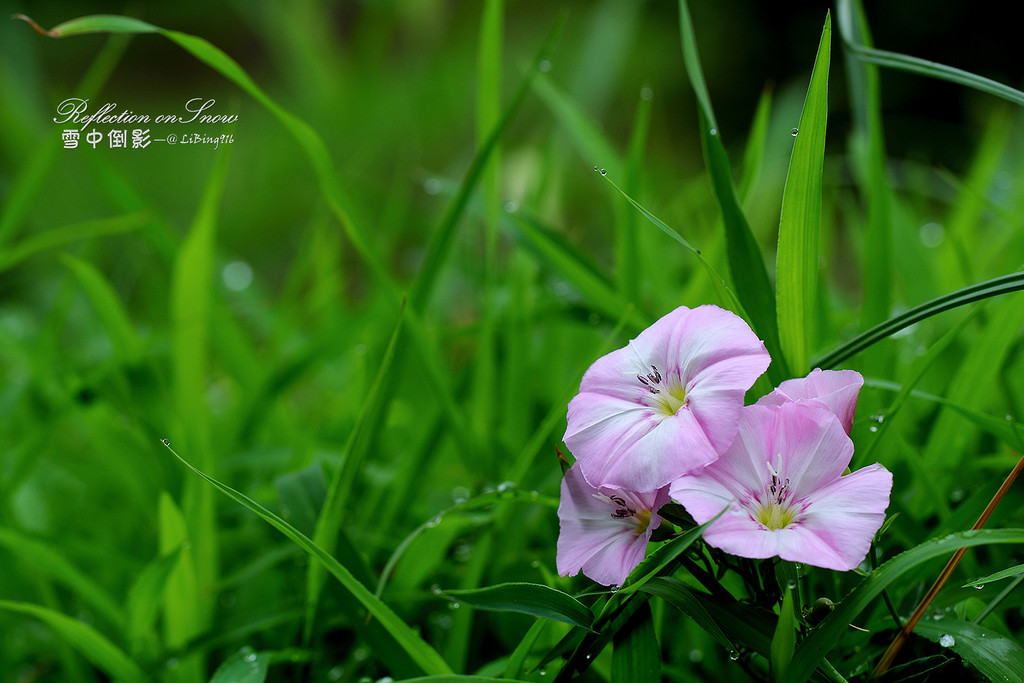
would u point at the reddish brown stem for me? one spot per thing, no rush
(901, 637)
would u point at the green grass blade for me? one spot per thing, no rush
(111, 312)
(328, 523)
(425, 656)
(865, 90)
(784, 640)
(821, 639)
(144, 598)
(191, 302)
(746, 265)
(998, 576)
(997, 657)
(183, 619)
(440, 242)
(753, 154)
(796, 268)
(984, 290)
(924, 67)
(58, 237)
(88, 641)
(534, 599)
(726, 297)
(245, 666)
(636, 654)
(48, 562)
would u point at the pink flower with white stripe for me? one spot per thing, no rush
(668, 403)
(604, 531)
(781, 482)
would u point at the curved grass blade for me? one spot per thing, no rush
(998, 576)
(46, 561)
(725, 294)
(784, 640)
(88, 641)
(32, 245)
(924, 67)
(111, 312)
(534, 599)
(746, 265)
(817, 644)
(796, 265)
(425, 656)
(1001, 285)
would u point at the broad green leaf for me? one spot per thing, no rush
(997, 657)
(424, 655)
(796, 268)
(784, 640)
(983, 290)
(89, 642)
(1004, 574)
(746, 265)
(824, 637)
(245, 666)
(636, 655)
(453, 678)
(527, 598)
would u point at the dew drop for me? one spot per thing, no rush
(595, 169)
(957, 495)
(165, 441)
(435, 589)
(791, 584)
(432, 186)
(873, 428)
(696, 656)
(506, 486)
(734, 655)
(545, 65)
(604, 172)
(794, 132)
(454, 605)
(460, 494)
(433, 521)
(250, 657)
(1009, 418)
(588, 656)
(713, 131)
(511, 206)
(946, 640)
(979, 586)
(646, 93)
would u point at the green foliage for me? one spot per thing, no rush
(367, 383)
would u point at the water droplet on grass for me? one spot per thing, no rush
(604, 172)
(979, 587)
(646, 93)
(432, 186)
(434, 521)
(506, 486)
(794, 132)
(734, 655)
(713, 131)
(791, 584)
(545, 65)
(946, 640)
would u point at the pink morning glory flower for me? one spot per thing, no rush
(782, 482)
(837, 390)
(666, 404)
(604, 531)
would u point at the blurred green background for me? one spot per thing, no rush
(258, 363)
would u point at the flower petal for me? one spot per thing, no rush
(845, 514)
(836, 389)
(666, 404)
(592, 539)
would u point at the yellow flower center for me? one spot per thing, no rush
(667, 397)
